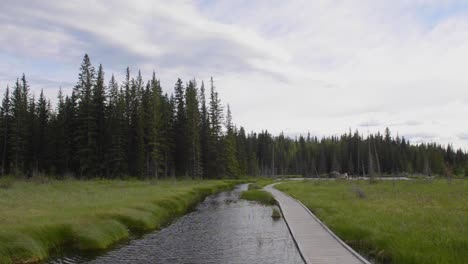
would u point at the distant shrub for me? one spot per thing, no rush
(6, 182)
(359, 192)
(40, 179)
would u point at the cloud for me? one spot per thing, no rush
(463, 136)
(407, 123)
(296, 65)
(370, 123)
(421, 137)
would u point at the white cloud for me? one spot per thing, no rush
(323, 66)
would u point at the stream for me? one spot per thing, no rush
(222, 229)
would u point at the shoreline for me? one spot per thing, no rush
(37, 243)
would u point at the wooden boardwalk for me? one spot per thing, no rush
(316, 243)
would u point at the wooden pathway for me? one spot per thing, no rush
(316, 243)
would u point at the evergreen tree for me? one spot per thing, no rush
(204, 132)
(116, 136)
(180, 122)
(5, 131)
(60, 143)
(43, 116)
(193, 130)
(215, 166)
(19, 132)
(136, 143)
(99, 112)
(86, 120)
(230, 155)
(155, 128)
(135, 130)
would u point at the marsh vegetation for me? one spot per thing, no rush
(40, 219)
(418, 221)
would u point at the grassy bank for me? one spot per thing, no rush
(260, 196)
(394, 222)
(39, 219)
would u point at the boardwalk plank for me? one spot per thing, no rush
(316, 242)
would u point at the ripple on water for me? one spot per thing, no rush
(222, 229)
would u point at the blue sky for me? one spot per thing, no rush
(295, 66)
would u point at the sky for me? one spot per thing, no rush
(296, 66)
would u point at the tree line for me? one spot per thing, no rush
(112, 130)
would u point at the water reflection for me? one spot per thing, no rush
(222, 229)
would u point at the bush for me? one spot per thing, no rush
(6, 182)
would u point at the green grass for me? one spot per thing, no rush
(418, 221)
(259, 183)
(40, 219)
(276, 214)
(254, 186)
(260, 196)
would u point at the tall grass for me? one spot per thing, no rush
(260, 196)
(38, 219)
(416, 221)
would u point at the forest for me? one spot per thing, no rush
(132, 129)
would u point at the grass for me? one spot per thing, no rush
(6, 182)
(417, 221)
(276, 214)
(38, 219)
(260, 196)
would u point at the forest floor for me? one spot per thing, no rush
(39, 219)
(418, 221)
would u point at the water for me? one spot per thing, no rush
(222, 229)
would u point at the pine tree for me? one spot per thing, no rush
(193, 130)
(166, 134)
(72, 134)
(5, 131)
(241, 150)
(58, 129)
(99, 112)
(86, 121)
(128, 112)
(204, 131)
(136, 143)
(180, 122)
(135, 130)
(43, 116)
(31, 162)
(230, 155)
(151, 117)
(19, 137)
(156, 127)
(116, 123)
(215, 166)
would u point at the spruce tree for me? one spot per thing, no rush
(230, 153)
(215, 166)
(116, 136)
(19, 137)
(86, 120)
(155, 130)
(5, 131)
(180, 122)
(204, 132)
(43, 116)
(136, 143)
(193, 130)
(58, 129)
(99, 112)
